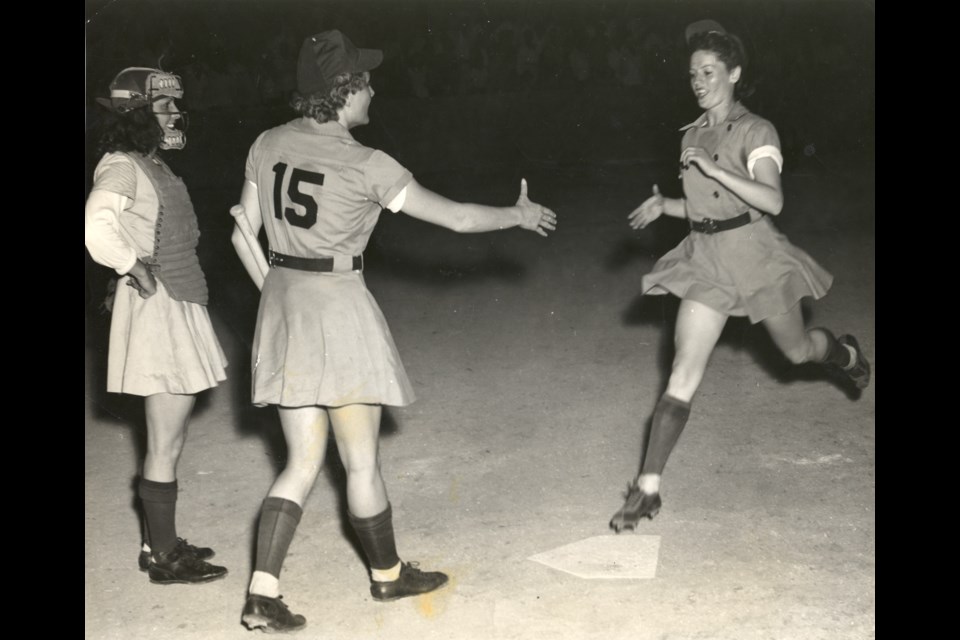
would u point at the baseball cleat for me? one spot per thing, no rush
(412, 582)
(175, 567)
(270, 615)
(201, 553)
(636, 506)
(859, 373)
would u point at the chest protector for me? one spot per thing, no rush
(174, 260)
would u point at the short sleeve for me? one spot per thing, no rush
(385, 177)
(250, 172)
(116, 173)
(762, 141)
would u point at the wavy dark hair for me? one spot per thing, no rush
(134, 131)
(729, 48)
(323, 106)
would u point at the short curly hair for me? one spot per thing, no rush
(323, 106)
(134, 131)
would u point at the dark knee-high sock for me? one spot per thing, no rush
(836, 353)
(669, 418)
(278, 522)
(159, 501)
(376, 538)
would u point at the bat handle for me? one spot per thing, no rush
(239, 212)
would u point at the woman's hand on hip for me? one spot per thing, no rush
(142, 280)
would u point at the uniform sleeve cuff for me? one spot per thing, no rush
(124, 270)
(766, 151)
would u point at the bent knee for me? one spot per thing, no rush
(799, 354)
(683, 383)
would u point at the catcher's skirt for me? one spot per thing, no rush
(161, 345)
(321, 339)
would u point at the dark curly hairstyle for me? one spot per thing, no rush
(729, 49)
(134, 131)
(323, 106)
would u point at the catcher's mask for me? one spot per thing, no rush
(138, 87)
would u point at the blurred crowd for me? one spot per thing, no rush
(243, 53)
(578, 69)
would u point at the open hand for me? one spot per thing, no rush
(534, 217)
(650, 210)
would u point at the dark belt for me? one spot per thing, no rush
(309, 264)
(709, 225)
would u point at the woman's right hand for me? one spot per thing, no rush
(142, 280)
(534, 217)
(650, 210)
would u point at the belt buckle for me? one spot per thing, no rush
(710, 225)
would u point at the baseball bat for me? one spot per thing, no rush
(240, 217)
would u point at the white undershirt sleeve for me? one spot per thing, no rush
(101, 231)
(398, 201)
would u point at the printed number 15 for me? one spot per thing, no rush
(308, 202)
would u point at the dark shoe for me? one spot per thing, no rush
(270, 615)
(175, 567)
(859, 373)
(637, 505)
(412, 582)
(201, 553)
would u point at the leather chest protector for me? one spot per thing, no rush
(174, 260)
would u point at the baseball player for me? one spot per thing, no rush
(139, 221)
(322, 351)
(734, 262)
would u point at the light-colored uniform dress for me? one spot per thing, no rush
(321, 338)
(158, 344)
(752, 270)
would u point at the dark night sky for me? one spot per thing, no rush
(602, 67)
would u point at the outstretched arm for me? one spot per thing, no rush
(465, 217)
(655, 206)
(250, 253)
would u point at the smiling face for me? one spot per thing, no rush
(167, 112)
(711, 81)
(168, 115)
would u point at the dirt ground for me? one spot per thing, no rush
(537, 366)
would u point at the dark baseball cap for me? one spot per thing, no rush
(704, 26)
(326, 55)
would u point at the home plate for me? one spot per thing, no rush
(613, 557)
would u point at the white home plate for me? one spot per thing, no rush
(628, 557)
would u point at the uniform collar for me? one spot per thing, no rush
(736, 112)
(331, 128)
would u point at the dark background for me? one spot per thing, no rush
(608, 69)
(473, 95)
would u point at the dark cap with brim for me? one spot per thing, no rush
(326, 55)
(704, 26)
